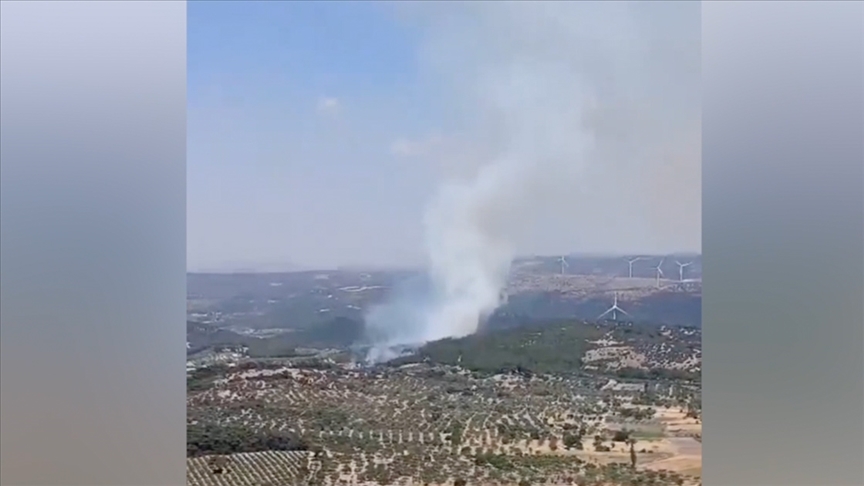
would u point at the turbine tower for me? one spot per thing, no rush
(660, 270)
(630, 265)
(681, 267)
(564, 264)
(614, 310)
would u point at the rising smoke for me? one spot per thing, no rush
(554, 98)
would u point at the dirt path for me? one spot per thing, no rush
(687, 458)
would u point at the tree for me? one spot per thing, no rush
(218, 464)
(620, 436)
(460, 482)
(573, 441)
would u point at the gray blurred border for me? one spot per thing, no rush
(92, 243)
(783, 318)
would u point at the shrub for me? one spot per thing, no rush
(621, 436)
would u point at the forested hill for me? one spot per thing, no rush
(557, 347)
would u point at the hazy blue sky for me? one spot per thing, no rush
(318, 131)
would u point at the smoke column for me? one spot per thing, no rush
(553, 98)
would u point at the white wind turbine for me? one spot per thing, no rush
(630, 264)
(681, 267)
(614, 310)
(660, 270)
(564, 264)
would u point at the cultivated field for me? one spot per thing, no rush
(270, 468)
(433, 425)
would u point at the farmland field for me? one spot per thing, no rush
(508, 407)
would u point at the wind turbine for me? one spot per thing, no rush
(681, 267)
(614, 310)
(630, 264)
(564, 263)
(660, 270)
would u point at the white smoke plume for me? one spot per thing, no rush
(554, 101)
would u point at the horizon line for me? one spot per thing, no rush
(294, 268)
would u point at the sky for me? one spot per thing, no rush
(319, 133)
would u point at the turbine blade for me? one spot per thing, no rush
(624, 312)
(603, 314)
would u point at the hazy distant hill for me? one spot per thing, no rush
(537, 289)
(202, 336)
(334, 333)
(672, 308)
